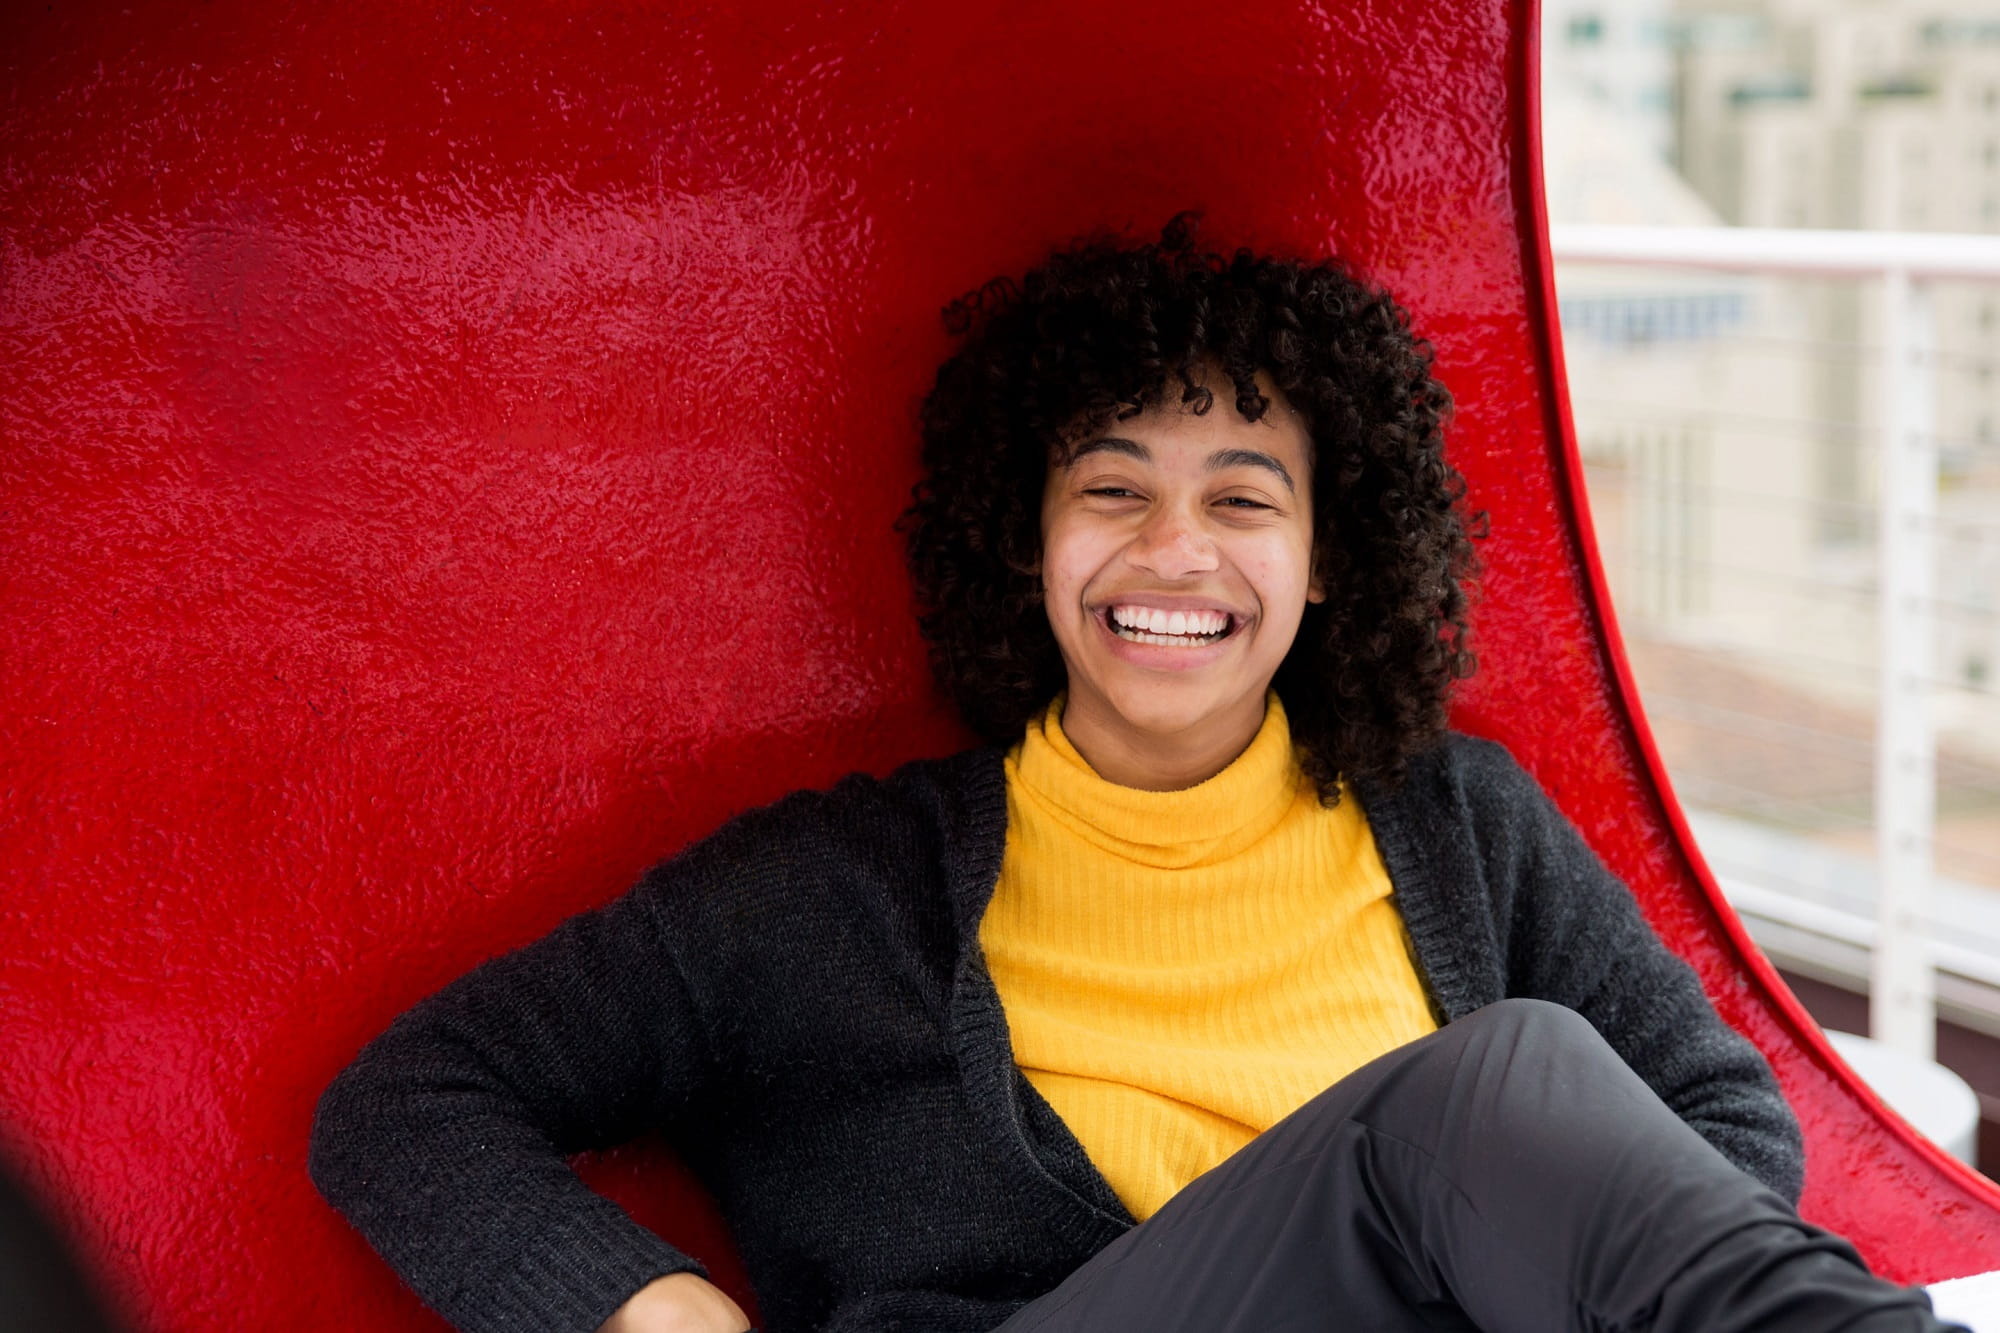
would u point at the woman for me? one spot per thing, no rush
(1223, 988)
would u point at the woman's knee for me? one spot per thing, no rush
(1539, 1023)
(1513, 1037)
(1482, 1064)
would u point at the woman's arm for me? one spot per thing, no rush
(445, 1141)
(1573, 934)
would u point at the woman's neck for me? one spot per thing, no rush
(1149, 761)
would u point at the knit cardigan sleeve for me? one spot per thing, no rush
(444, 1142)
(1568, 931)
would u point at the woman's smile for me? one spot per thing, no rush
(1177, 640)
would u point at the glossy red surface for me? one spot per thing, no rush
(447, 459)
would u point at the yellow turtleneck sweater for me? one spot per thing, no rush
(1182, 969)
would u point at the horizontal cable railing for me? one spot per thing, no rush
(1861, 403)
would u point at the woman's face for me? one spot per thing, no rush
(1176, 563)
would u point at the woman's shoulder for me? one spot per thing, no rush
(1474, 785)
(943, 788)
(881, 864)
(863, 817)
(1467, 770)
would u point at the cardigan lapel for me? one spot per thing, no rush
(1436, 880)
(1034, 1143)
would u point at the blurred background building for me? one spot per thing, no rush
(1729, 424)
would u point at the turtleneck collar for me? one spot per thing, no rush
(1207, 822)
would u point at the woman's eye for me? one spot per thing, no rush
(1243, 502)
(1113, 492)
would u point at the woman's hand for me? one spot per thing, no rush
(678, 1303)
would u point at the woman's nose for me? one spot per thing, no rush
(1173, 545)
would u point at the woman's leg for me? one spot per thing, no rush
(1507, 1172)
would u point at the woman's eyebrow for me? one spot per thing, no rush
(1223, 458)
(1217, 461)
(1112, 444)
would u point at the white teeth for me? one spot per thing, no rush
(1155, 621)
(1167, 640)
(1177, 629)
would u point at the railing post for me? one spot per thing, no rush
(1902, 999)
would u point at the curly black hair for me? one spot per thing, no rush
(1098, 333)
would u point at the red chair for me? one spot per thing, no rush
(447, 462)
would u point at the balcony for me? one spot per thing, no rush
(1795, 477)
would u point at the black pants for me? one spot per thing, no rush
(1508, 1172)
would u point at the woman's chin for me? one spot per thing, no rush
(1164, 716)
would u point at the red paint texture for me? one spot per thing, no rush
(447, 461)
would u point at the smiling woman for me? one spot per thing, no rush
(1225, 989)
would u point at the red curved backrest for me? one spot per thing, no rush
(447, 462)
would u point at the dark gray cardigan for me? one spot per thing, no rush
(799, 1001)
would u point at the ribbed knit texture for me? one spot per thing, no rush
(1180, 970)
(800, 1004)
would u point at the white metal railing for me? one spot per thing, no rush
(1902, 992)
(1859, 254)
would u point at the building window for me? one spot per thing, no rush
(1662, 32)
